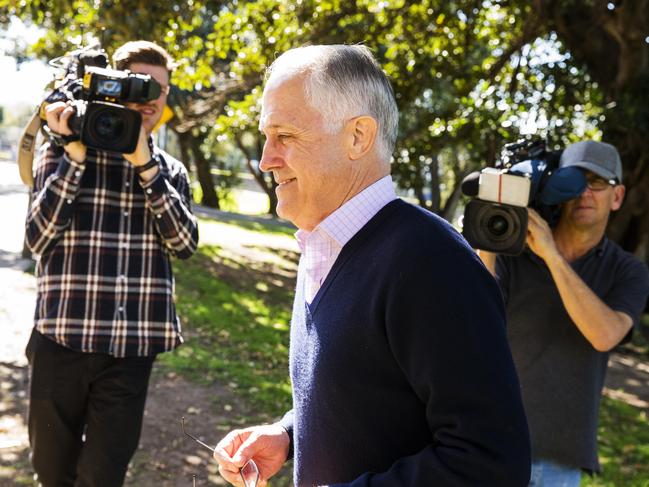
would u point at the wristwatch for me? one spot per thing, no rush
(152, 163)
(59, 139)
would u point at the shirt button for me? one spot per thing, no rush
(77, 173)
(69, 202)
(149, 191)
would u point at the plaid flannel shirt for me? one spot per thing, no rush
(104, 276)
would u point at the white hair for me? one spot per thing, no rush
(342, 82)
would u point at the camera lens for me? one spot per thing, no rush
(109, 125)
(497, 225)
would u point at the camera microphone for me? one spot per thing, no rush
(471, 184)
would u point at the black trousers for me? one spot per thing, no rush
(85, 414)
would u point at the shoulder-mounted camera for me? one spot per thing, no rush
(527, 175)
(97, 94)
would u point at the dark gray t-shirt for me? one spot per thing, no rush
(561, 374)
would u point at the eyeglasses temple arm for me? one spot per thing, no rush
(182, 425)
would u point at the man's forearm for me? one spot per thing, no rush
(174, 221)
(603, 327)
(57, 183)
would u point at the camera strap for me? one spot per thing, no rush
(26, 150)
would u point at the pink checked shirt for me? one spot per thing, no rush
(321, 247)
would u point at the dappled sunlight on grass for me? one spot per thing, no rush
(624, 446)
(235, 318)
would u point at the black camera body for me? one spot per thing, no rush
(527, 175)
(97, 93)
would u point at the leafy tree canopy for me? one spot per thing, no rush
(468, 75)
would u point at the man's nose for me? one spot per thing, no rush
(587, 193)
(270, 158)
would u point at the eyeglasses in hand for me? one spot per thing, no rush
(249, 472)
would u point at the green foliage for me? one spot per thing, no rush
(468, 76)
(461, 92)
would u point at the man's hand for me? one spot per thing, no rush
(142, 155)
(267, 445)
(58, 115)
(539, 236)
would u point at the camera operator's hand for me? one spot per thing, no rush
(539, 236)
(142, 155)
(58, 115)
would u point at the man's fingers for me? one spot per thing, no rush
(223, 457)
(57, 116)
(64, 127)
(533, 216)
(228, 451)
(231, 442)
(245, 451)
(53, 112)
(56, 107)
(233, 477)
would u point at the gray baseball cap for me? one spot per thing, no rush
(598, 157)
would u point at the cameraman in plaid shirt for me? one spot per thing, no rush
(105, 226)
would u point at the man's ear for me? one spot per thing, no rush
(618, 197)
(362, 135)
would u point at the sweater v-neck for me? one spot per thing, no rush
(350, 249)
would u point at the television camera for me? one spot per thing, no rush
(527, 175)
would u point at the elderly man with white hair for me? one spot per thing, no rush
(399, 362)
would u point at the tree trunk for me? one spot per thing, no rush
(265, 181)
(186, 158)
(203, 169)
(448, 212)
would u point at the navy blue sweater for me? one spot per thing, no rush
(401, 371)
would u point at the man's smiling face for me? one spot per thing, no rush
(308, 161)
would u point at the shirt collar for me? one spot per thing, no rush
(347, 220)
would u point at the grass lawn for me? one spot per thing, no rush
(235, 303)
(623, 447)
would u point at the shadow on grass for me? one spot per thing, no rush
(236, 312)
(624, 446)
